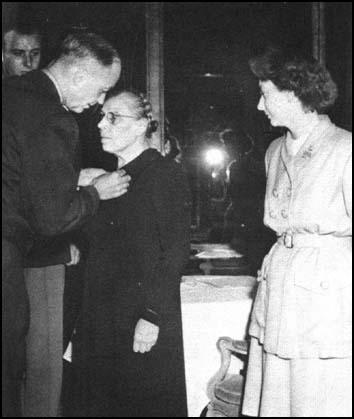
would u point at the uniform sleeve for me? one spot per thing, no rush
(171, 201)
(49, 252)
(56, 205)
(11, 171)
(347, 185)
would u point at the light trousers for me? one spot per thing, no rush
(44, 342)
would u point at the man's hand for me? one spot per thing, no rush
(111, 185)
(87, 175)
(75, 255)
(145, 337)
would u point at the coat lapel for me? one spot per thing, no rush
(287, 160)
(313, 144)
(304, 157)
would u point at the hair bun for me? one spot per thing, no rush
(153, 125)
(146, 105)
(147, 113)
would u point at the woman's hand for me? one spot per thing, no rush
(145, 336)
(87, 175)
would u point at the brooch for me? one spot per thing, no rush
(307, 154)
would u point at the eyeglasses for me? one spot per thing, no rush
(113, 118)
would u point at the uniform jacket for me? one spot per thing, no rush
(40, 168)
(303, 304)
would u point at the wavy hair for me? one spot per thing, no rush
(310, 81)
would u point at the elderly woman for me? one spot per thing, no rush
(300, 354)
(129, 339)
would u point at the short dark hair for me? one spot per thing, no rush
(310, 81)
(23, 28)
(88, 44)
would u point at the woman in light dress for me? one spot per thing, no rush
(300, 353)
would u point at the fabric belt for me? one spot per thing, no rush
(291, 240)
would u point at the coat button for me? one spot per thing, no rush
(275, 193)
(111, 223)
(139, 284)
(272, 214)
(324, 285)
(284, 213)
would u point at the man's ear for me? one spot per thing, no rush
(141, 126)
(79, 76)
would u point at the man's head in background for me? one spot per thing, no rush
(21, 49)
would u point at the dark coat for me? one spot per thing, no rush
(39, 195)
(92, 155)
(139, 245)
(40, 167)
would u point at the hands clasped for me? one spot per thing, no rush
(145, 336)
(87, 175)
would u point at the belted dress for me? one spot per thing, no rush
(301, 318)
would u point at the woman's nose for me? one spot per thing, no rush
(260, 105)
(103, 122)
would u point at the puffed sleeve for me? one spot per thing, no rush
(171, 201)
(57, 206)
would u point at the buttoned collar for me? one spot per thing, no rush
(309, 148)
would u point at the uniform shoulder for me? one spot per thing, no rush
(34, 98)
(32, 89)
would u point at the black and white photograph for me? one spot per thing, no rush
(176, 209)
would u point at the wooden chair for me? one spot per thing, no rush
(224, 389)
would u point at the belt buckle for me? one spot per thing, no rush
(288, 240)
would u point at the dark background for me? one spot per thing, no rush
(208, 84)
(200, 38)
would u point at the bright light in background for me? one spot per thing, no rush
(214, 157)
